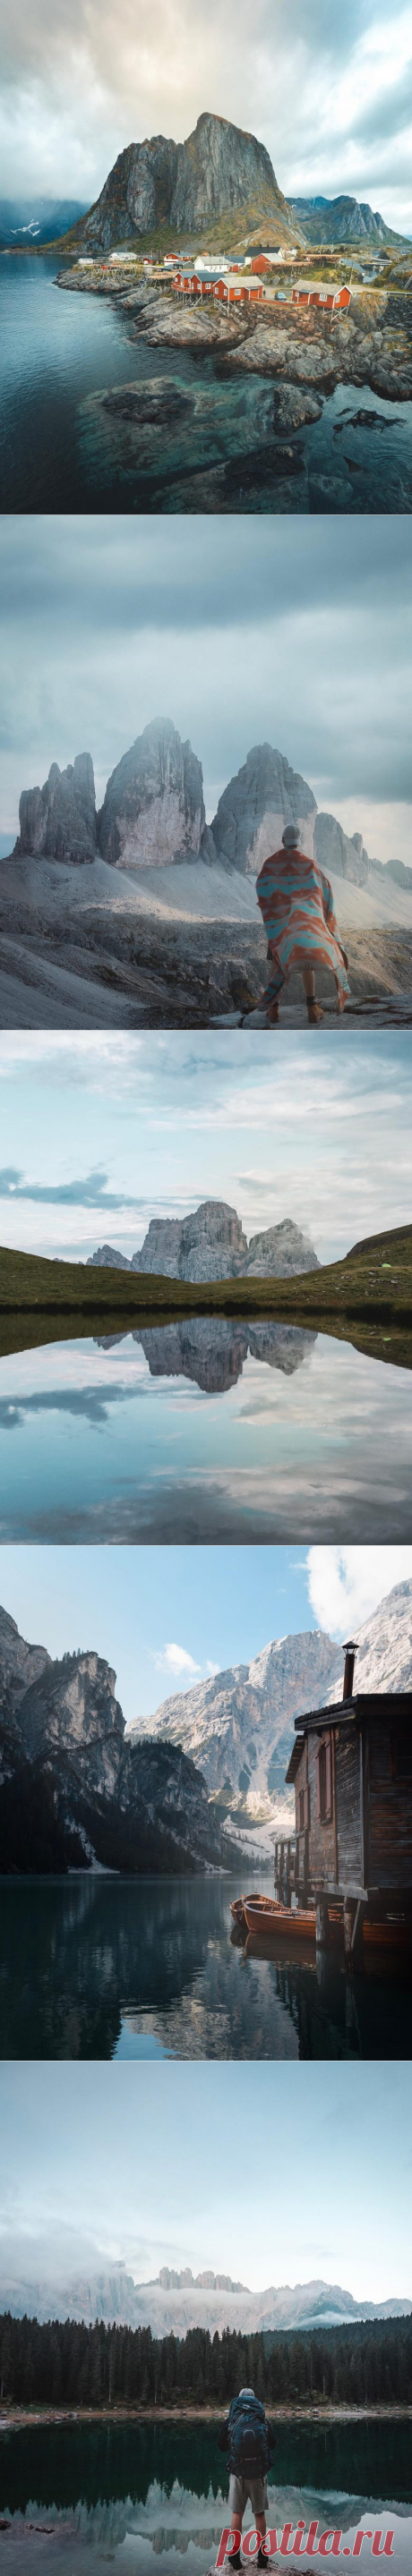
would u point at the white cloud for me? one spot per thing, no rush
(346, 1584)
(174, 1659)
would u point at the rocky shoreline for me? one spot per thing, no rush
(372, 345)
(17, 2419)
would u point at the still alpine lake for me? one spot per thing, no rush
(130, 2494)
(204, 1430)
(59, 449)
(105, 1967)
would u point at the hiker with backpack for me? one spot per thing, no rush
(249, 2442)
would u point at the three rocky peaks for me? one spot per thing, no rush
(210, 1244)
(153, 814)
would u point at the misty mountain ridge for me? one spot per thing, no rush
(175, 2303)
(36, 219)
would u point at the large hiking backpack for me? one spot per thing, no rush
(248, 2438)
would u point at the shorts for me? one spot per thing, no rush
(242, 2489)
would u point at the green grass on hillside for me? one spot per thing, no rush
(374, 1279)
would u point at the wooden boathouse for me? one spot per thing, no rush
(351, 1768)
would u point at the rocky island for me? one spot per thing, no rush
(144, 913)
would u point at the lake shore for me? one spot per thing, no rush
(18, 2418)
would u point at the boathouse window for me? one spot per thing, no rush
(303, 1811)
(401, 1757)
(324, 1790)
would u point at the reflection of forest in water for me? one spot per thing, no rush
(99, 1967)
(213, 1353)
(160, 2489)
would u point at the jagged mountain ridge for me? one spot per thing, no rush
(153, 814)
(175, 2303)
(340, 219)
(159, 185)
(86, 1793)
(239, 1724)
(210, 1244)
(73, 1791)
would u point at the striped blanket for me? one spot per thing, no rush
(296, 903)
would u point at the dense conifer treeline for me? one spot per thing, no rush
(95, 2365)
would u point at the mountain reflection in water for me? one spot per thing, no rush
(105, 1967)
(134, 2493)
(203, 1430)
(213, 1353)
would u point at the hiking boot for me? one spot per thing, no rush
(315, 1014)
(233, 2558)
(262, 2559)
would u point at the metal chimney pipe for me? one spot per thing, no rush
(349, 1651)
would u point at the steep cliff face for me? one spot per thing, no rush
(20, 1665)
(239, 1724)
(58, 821)
(283, 1252)
(73, 1792)
(153, 808)
(254, 809)
(187, 185)
(72, 1705)
(335, 850)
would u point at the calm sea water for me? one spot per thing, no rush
(59, 450)
(130, 2495)
(114, 1967)
(204, 1430)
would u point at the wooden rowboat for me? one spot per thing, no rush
(298, 1924)
(239, 1903)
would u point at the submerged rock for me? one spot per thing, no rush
(155, 405)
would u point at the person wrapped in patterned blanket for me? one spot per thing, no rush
(296, 903)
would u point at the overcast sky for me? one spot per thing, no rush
(220, 1609)
(142, 2164)
(103, 1132)
(295, 632)
(326, 89)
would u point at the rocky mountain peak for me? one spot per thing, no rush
(211, 1244)
(20, 1664)
(153, 809)
(255, 807)
(58, 821)
(334, 849)
(239, 1724)
(187, 186)
(73, 1705)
